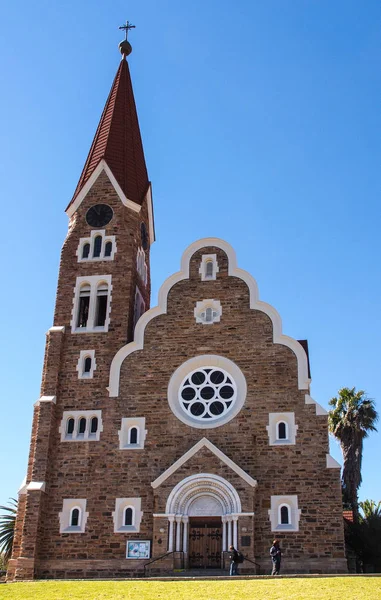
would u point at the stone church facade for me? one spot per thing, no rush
(166, 434)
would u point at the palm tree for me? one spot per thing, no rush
(7, 528)
(371, 509)
(351, 419)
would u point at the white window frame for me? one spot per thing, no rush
(87, 436)
(94, 281)
(201, 308)
(124, 433)
(273, 432)
(121, 504)
(81, 364)
(202, 270)
(206, 360)
(141, 265)
(138, 301)
(69, 504)
(90, 240)
(293, 513)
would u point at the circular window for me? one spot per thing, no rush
(207, 391)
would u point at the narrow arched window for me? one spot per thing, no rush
(284, 515)
(97, 246)
(94, 425)
(133, 435)
(87, 365)
(82, 425)
(144, 236)
(83, 308)
(208, 315)
(74, 517)
(70, 426)
(128, 516)
(209, 269)
(282, 431)
(85, 250)
(108, 249)
(101, 307)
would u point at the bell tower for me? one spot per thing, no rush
(103, 289)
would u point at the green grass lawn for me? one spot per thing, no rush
(335, 588)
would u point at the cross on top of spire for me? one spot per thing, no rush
(126, 28)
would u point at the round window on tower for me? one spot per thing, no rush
(207, 391)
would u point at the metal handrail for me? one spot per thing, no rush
(164, 555)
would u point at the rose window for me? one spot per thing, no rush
(207, 393)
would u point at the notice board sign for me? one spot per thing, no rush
(138, 549)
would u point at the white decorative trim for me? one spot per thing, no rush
(81, 364)
(255, 303)
(46, 399)
(93, 281)
(320, 411)
(294, 513)
(56, 328)
(124, 433)
(272, 428)
(331, 463)
(36, 486)
(220, 455)
(102, 166)
(94, 233)
(121, 504)
(207, 360)
(86, 436)
(150, 214)
(69, 504)
(201, 314)
(203, 487)
(211, 259)
(23, 487)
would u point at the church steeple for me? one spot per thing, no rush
(117, 139)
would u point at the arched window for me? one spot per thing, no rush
(282, 431)
(82, 425)
(209, 269)
(94, 425)
(87, 365)
(133, 435)
(108, 248)
(74, 517)
(70, 426)
(128, 516)
(101, 307)
(84, 303)
(85, 250)
(284, 515)
(144, 236)
(209, 315)
(97, 246)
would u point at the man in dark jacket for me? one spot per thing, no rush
(233, 554)
(276, 555)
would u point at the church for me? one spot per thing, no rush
(163, 435)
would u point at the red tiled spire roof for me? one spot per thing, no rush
(118, 141)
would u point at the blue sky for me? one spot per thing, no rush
(261, 125)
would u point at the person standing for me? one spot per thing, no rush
(276, 556)
(234, 560)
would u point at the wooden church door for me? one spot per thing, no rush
(205, 543)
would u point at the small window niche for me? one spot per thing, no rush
(73, 517)
(209, 267)
(98, 246)
(282, 429)
(284, 513)
(208, 312)
(141, 265)
(81, 426)
(139, 306)
(86, 364)
(127, 515)
(132, 433)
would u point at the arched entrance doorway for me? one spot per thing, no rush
(203, 512)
